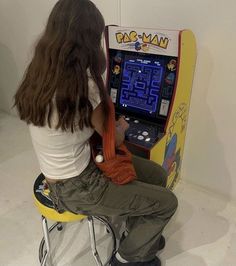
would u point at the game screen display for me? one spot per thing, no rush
(141, 84)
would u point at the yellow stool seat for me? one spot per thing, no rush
(53, 215)
(45, 206)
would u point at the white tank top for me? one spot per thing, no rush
(62, 154)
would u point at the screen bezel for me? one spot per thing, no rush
(133, 109)
(158, 119)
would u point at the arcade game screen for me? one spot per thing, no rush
(141, 84)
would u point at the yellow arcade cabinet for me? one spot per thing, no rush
(150, 75)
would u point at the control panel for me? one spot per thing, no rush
(142, 133)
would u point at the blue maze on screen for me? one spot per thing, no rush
(141, 81)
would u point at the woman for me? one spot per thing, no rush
(63, 100)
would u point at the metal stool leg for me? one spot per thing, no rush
(93, 241)
(47, 255)
(109, 229)
(45, 247)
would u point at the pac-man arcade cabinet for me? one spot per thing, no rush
(150, 75)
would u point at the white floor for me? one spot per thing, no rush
(203, 231)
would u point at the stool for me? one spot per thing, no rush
(47, 211)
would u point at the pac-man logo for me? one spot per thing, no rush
(133, 37)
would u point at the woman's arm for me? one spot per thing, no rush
(98, 120)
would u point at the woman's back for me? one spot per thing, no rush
(63, 154)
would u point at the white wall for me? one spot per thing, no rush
(20, 24)
(210, 146)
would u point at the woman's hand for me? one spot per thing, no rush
(121, 127)
(121, 123)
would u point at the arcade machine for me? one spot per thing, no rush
(150, 75)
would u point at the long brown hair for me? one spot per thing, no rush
(57, 75)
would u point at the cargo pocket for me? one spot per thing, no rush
(143, 205)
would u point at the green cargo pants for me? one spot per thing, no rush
(145, 203)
